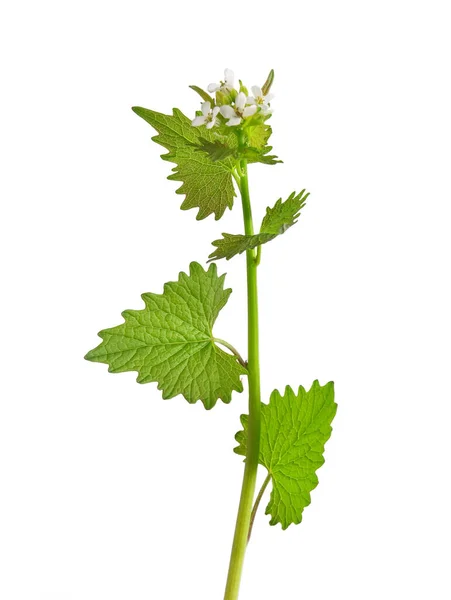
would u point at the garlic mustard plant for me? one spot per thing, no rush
(171, 340)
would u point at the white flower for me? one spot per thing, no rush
(258, 99)
(223, 86)
(208, 117)
(238, 111)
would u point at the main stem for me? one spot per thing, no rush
(253, 437)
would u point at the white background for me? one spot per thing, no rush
(110, 493)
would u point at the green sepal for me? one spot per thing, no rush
(243, 88)
(203, 94)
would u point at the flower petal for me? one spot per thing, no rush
(229, 77)
(250, 100)
(206, 108)
(198, 121)
(269, 97)
(257, 91)
(266, 110)
(249, 111)
(215, 111)
(210, 124)
(240, 100)
(234, 121)
(213, 87)
(227, 111)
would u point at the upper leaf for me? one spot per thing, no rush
(171, 342)
(206, 184)
(294, 430)
(276, 221)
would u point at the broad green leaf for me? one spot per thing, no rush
(207, 185)
(171, 342)
(294, 430)
(276, 221)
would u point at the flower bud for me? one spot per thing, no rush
(268, 83)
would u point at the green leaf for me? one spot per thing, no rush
(283, 215)
(230, 245)
(207, 185)
(216, 150)
(276, 221)
(253, 155)
(171, 342)
(258, 132)
(294, 430)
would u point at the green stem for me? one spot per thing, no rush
(253, 437)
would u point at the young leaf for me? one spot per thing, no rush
(258, 133)
(277, 220)
(283, 215)
(216, 150)
(171, 342)
(294, 430)
(230, 244)
(207, 185)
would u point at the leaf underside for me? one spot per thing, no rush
(171, 342)
(294, 430)
(206, 184)
(276, 221)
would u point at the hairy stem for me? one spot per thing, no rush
(253, 439)
(257, 504)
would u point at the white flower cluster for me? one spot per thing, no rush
(240, 107)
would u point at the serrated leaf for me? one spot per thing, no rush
(294, 430)
(258, 133)
(276, 221)
(283, 215)
(253, 155)
(230, 245)
(207, 185)
(171, 341)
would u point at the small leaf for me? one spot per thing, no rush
(258, 132)
(207, 185)
(276, 221)
(283, 214)
(253, 155)
(216, 150)
(171, 342)
(230, 245)
(294, 430)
